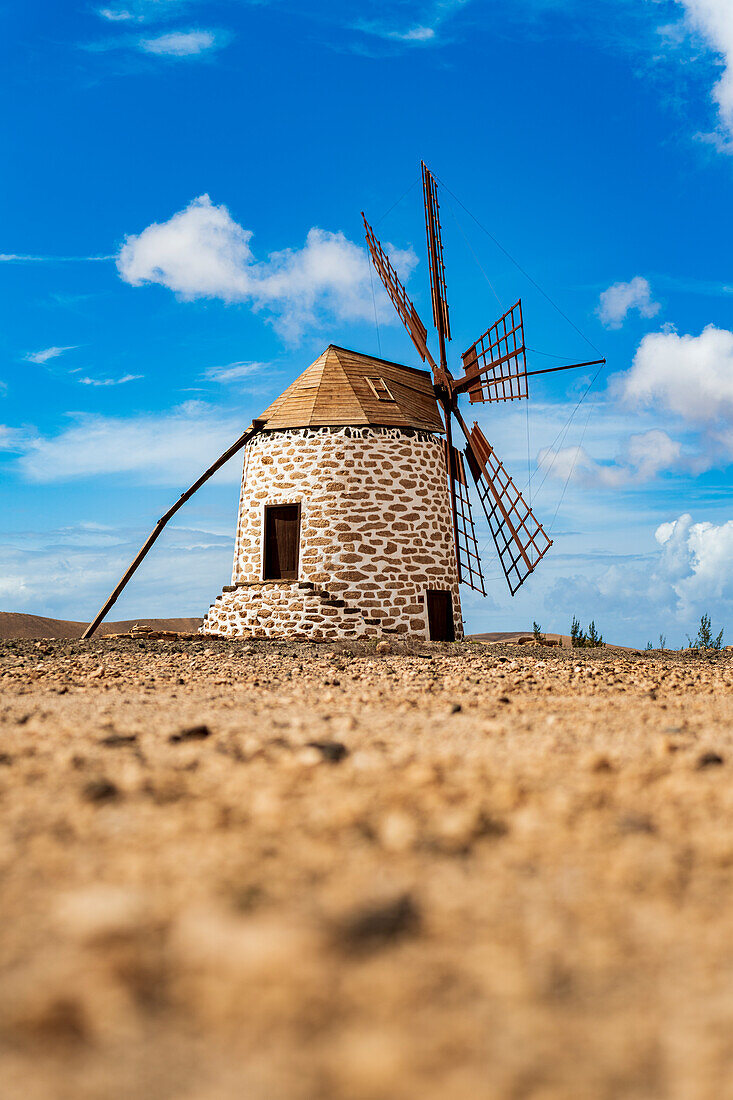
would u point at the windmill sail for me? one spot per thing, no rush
(435, 253)
(467, 552)
(496, 365)
(408, 314)
(520, 539)
(495, 369)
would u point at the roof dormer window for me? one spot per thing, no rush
(380, 389)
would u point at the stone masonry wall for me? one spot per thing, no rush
(376, 533)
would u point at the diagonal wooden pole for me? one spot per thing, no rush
(255, 427)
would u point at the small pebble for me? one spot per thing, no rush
(376, 924)
(100, 790)
(709, 760)
(332, 751)
(636, 823)
(193, 733)
(114, 740)
(599, 762)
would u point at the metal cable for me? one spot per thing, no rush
(518, 266)
(394, 204)
(478, 262)
(571, 471)
(564, 431)
(560, 437)
(529, 462)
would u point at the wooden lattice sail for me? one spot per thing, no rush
(519, 538)
(468, 557)
(494, 370)
(497, 362)
(406, 310)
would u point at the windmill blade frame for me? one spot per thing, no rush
(495, 369)
(468, 557)
(409, 316)
(433, 232)
(496, 365)
(520, 539)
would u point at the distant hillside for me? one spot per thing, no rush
(512, 635)
(15, 625)
(25, 627)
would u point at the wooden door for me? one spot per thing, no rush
(440, 616)
(282, 539)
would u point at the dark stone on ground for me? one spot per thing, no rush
(709, 760)
(333, 751)
(116, 739)
(100, 790)
(373, 926)
(193, 733)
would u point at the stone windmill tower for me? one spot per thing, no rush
(345, 523)
(354, 515)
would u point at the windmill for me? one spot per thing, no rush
(347, 521)
(494, 370)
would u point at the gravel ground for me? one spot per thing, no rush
(301, 872)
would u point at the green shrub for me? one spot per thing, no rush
(580, 640)
(705, 639)
(577, 637)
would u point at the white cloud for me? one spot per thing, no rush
(713, 19)
(45, 354)
(235, 372)
(689, 573)
(117, 15)
(170, 448)
(617, 300)
(697, 559)
(182, 43)
(201, 252)
(645, 455)
(691, 376)
(110, 381)
(412, 35)
(24, 258)
(142, 11)
(11, 439)
(416, 34)
(425, 27)
(648, 453)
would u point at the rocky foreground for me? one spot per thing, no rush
(310, 872)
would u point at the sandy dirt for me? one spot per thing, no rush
(311, 872)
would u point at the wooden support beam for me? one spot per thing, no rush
(256, 426)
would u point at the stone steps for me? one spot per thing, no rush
(338, 617)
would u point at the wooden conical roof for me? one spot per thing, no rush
(335, 390)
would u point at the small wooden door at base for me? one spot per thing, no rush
(282, 536)
(440, 616)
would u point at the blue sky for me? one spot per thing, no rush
(180, 236)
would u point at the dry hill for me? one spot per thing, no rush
(29, 627)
